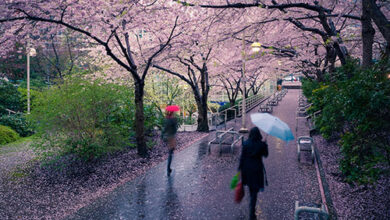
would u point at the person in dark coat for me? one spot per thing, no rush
(169, 136)
(252, 167)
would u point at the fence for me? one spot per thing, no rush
(220, 118)
(10, 111)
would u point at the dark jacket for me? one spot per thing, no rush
(251, 163)
(170, 128)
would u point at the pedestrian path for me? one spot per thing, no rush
(199, 185)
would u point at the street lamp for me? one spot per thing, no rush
(30, 52)
(256, 46)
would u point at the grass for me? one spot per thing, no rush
(11, 150)
(18, 173)
(16, 146)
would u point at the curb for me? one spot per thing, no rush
(323, 184)
(324, 187)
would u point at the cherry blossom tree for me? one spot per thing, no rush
(322, 25)
(194, 60)
(198, 40)
(197, 77)
(231, 84)
(371, 12)
(62, 53)
(13, 66)
(378, 15)
(111, 25)
(256, 81)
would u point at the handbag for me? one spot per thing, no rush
(234, 181)
(239, 193)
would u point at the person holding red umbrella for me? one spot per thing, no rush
(169, 133)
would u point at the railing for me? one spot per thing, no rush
(10, 111)
(220, 118)
(189, 127)
(227, 137)
(184, 127)
(321, 211)
(250, 103)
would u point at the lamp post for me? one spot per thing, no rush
(255, 48)
(30, 52)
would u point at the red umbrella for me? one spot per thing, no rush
(172, 108)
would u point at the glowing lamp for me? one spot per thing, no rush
(32, 52)
(256, 46)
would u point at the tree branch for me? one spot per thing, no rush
(99, 41)
(304, 28)
(162, 47)
(259, 5)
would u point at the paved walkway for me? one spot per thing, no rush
(199, 185)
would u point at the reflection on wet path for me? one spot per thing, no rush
(141, 197)
(171, 202)
(199, 184)
(202, 150)
(197, 189)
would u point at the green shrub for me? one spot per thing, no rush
(10, 98)
(34, 94)
(230, 113)
(308, 86)
(7, 135)
(189, 120)
(213, 106)
(355, 110)
(152, 118)
(224, 107)
(86, 118)
(18, 123)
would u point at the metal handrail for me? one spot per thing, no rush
(10, 111)
(221, 136)
(222, 113)
(299, 209)
(251, 102)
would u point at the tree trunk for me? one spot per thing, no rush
(140, 119)
(320, 74)
(203, 124)
(381, 22)
(330, 59)
(255, 91)
(232, 102)
(368, 33)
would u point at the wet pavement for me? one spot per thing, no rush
(198, 188)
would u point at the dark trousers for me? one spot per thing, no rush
(252, 203)
(170, 155)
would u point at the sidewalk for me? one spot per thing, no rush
(199, 185)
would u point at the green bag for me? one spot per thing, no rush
(234, 181)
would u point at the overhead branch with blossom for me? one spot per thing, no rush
(114, 26)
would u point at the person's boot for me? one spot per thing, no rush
(170, 155)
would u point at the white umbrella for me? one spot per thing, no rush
(272, 125)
